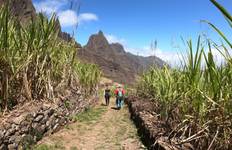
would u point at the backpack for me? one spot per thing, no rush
(120, 94)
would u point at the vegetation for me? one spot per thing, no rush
(35, 63)
(49, 147)
(88, 75)
(198, 95)
(90, 115)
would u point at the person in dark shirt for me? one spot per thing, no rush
(107, 95)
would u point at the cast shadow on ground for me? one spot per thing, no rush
(115, 108)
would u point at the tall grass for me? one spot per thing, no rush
(35, 62)
(88, 75)
(198, 95)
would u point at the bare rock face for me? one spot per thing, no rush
(118, 48)
(97, 41)
(114, 61)
(22, 9)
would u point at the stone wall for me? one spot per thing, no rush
(27, 125)
(152, 130)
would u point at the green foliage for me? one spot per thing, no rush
(67, 103)
(35, 63)
(89, 76)
(56, 146)
(200, 90)
(90, 115)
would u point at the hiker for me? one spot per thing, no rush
(107, 95)
(120, 93)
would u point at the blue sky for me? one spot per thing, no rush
(136, 23)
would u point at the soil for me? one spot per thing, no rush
(102, 127)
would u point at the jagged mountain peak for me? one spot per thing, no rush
(115, 63)
(117, 47)
(100, 33)
(22, 9)
(98, 41)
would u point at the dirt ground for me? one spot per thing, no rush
(99, 128)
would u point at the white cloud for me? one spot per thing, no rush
(144, 51)
(173, 58)
(114, 39)
(87, 17)
(49, 6)
(68, 18)
(169, 57)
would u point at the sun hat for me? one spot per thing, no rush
(119, 86)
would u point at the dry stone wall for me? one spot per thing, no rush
(151, 128)
(25, 126)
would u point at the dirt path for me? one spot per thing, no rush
(100, 128)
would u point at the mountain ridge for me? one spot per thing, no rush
(24, 11)
(115, 62)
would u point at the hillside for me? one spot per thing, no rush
(115, 62)
(25, 11)
(22, 9)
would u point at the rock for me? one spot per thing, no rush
(114, 61)
(35, 125)
(10, 132)
(15, 139)
(12, 147)
(18, 139)
(24, 129)
(17, 133)
(49, 112)
(25, 123)
(55, 127)
(27, 140)
(28, 118)
(24, 135)
(42, 129)
(21, 131)
(62, 121)
(44, 120)
(3, 147)
(22, 9)
(57, 120)
(17, 128)
(34, 114)
(2, 133)
(67, 114)
(38, 118)
(19, 119)
(55, 114)
(7, 126)
(12, 139)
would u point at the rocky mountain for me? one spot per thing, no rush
(115, 62)
(22, 9)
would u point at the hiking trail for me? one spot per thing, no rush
(99, 128)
